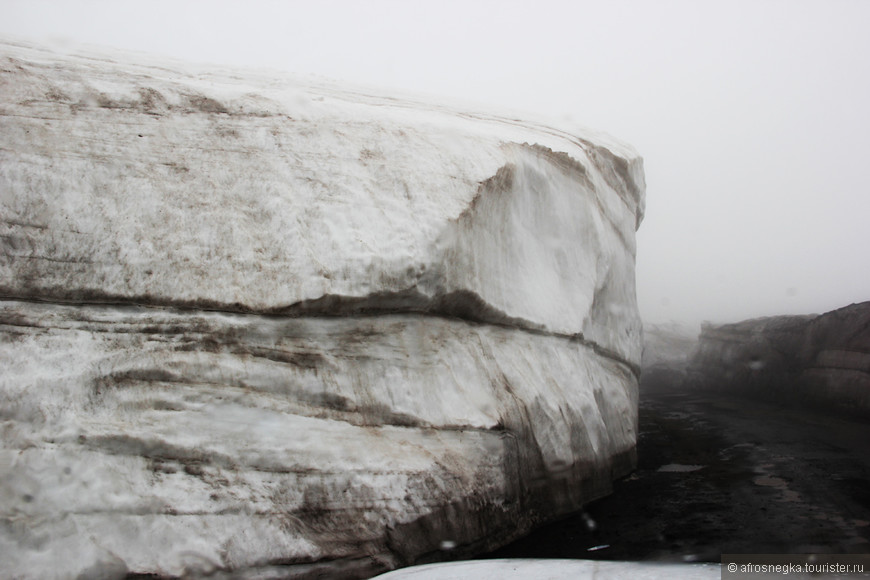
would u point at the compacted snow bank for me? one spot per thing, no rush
(820, 362)
(261, 326)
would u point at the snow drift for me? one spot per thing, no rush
(816, 361)
(262, 326)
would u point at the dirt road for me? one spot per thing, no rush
(719, 475)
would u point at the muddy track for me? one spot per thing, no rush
(719, 475)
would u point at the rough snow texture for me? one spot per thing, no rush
(261, 327)
(821, 361)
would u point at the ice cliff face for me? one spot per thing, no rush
(820, 361)
(262, 327)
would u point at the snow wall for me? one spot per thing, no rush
(265, 327)
(820, 362)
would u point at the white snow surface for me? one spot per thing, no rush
(259, 326)
(137, 437)
(252, 192)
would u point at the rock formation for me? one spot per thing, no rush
(822, 361)
(265, 328)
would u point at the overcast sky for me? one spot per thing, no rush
(753, 117)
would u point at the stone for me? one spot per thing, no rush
(268, 327)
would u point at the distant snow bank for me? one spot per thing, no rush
(818, 361)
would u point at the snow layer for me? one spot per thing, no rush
(124, 183)
(148, 435)
(263, 327)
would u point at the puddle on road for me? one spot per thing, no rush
(679, 468)
(780, 485)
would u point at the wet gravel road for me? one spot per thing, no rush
(719, 475)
